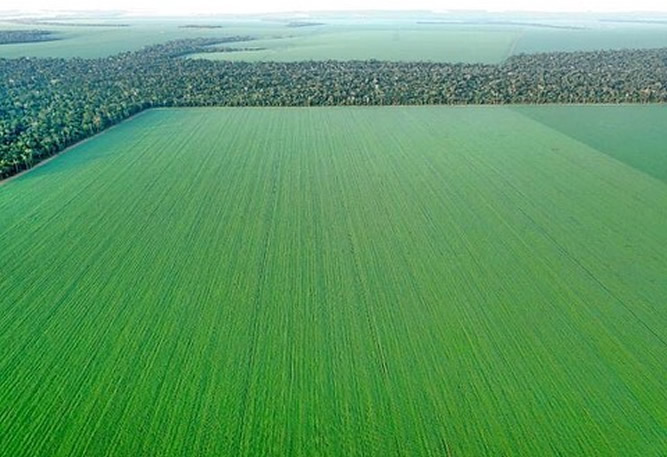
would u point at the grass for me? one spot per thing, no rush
(367, 281)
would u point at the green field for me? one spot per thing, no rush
(459, 281)
(440, 44)
(342, 41)
(608, 36)
(466, 42)
(385, 37)
(91, 42)
(633, 134)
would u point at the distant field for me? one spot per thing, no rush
(633, 134)
(412, 38)
(607, 36)
(91, 42)
(481, 43)
(451, 44)
(283, 43)
(346, 281)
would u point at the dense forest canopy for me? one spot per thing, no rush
(49, 104)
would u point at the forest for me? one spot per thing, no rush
(26, 36)
(47, 104)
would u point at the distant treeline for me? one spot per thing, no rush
(26, 36)
(219, 49)
(200, 26)
(510, 23)
(69, 23)
(636, 21)
(49, 104)
(186, 47)
(297, 24)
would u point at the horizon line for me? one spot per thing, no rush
(154, 13)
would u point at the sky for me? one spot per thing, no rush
(173, 7)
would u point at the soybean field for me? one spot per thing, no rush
(373, 281)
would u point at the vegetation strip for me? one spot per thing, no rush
(26, 36)
(48, 104)
(70, 23)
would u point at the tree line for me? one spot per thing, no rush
(47, 104)
(26, 36)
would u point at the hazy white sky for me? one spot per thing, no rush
(258, 6)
